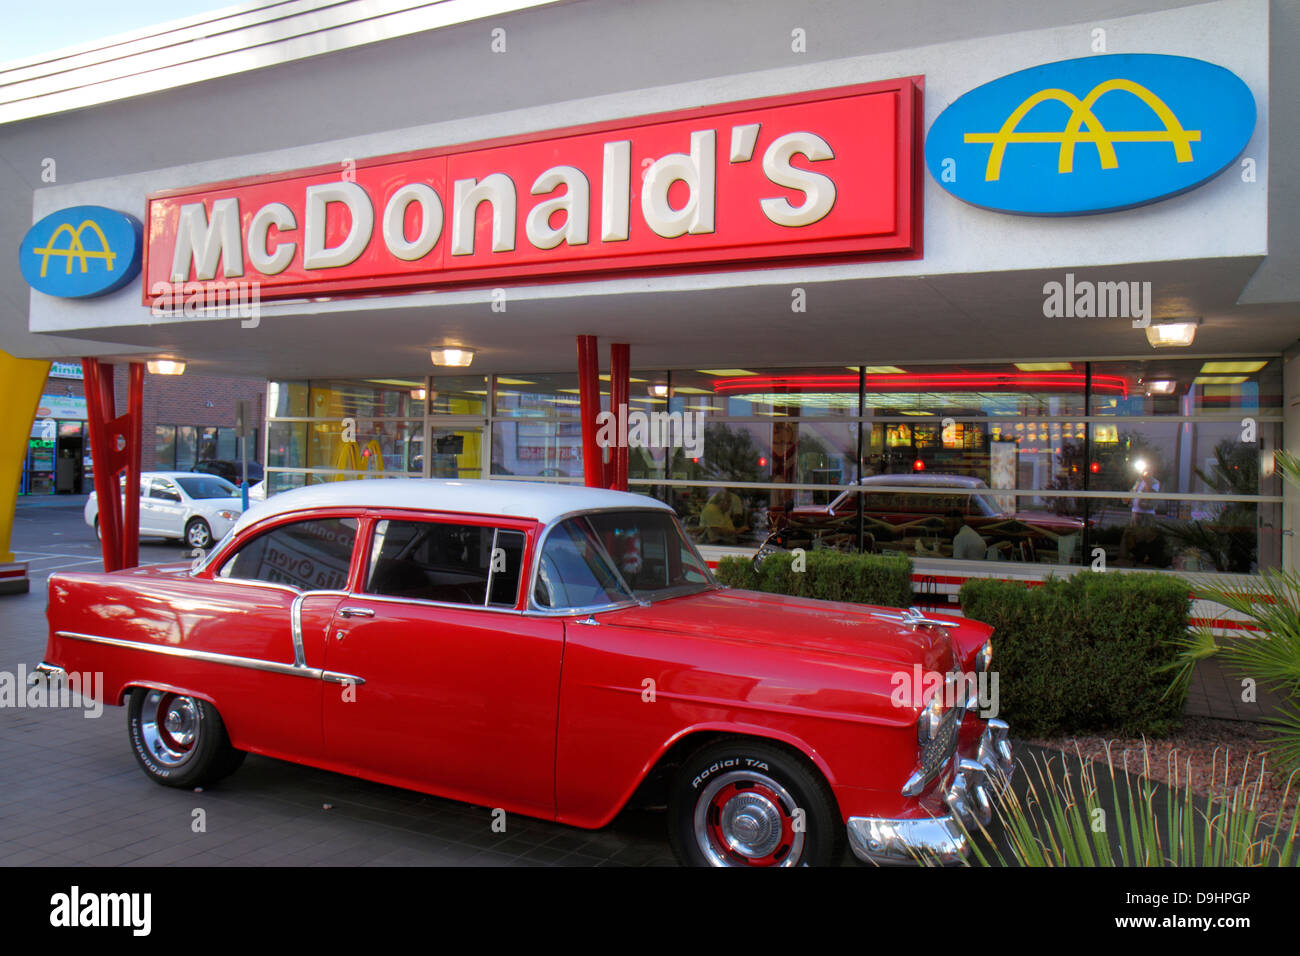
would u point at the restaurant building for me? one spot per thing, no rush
(1028, 268)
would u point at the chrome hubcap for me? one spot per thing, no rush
(747, 819)
(198, 536)
(170, 726)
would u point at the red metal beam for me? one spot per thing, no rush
(593, 468)
(115, 450)
(619, 393)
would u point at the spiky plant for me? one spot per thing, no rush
(1111, 819)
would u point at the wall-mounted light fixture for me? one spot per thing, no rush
(1172, 334)
(165, 367)
(452, 355)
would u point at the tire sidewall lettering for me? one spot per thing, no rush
(729, 763)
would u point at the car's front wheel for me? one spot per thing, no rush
(745, 802)
(198, 534)
(179, 741)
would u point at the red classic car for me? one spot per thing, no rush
(549, 650)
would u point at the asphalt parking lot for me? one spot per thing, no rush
(72, 794)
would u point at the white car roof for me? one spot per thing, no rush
(541, 501)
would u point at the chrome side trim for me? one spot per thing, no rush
(295, 626)
(209, 657)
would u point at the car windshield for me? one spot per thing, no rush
(610, 557)
(207, 486)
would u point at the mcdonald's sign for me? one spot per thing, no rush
(81, 251)
(1091, 135)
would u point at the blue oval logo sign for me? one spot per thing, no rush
(81, 251)
(1091, 135)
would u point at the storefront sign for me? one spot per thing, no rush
(81, 252)
(1091, 135)
(830, 173)
(62, 407)
(65, 370)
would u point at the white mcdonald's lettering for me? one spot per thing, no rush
(561, 216)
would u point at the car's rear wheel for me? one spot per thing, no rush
(198, 534)
(747, 803)
(179, 741)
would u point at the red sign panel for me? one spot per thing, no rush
(834, 173)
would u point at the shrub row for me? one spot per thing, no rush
(828, 576)
(1084, 654)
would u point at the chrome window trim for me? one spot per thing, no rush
(418, 602)
(533, 607)
(366, 595)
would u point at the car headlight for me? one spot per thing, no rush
(984, 656)
(228, 515)
(927, 726)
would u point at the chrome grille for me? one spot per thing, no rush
(939, 749)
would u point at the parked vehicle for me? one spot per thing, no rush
(551, 650)
(232, 471)
(195, 509)
(932, 515)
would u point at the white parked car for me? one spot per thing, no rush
(194, 508)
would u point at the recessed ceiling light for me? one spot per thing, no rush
(725, 371)
(1045, 366)
(166, 367)
(690, 390)
(502, 380)
(883, 370)
(1220, 379)
(1220, 368)
(1161, 386)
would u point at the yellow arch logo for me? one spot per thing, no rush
(75, 250)
(1081, 116)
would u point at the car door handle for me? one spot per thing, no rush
(356, 612)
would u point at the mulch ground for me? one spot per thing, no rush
(1212, 756)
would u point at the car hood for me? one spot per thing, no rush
(800, 624)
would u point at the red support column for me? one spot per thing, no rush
(134, 421)
(115, 449)
(593, 468)
(619, 393)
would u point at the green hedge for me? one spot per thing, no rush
(1084, 654)
(828, 576)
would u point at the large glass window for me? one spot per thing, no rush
(1068, 456)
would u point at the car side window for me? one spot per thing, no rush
(573, 571)
(164, 489)
(444, 562)
(310, 555)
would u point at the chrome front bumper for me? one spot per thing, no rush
(969, 797)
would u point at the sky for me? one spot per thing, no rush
(31, 27)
